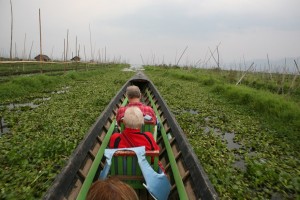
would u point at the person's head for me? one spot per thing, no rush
(133, 118)
(133, 92)
(111, 188)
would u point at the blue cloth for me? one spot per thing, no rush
(157, 184)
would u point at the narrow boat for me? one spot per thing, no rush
(182, 167)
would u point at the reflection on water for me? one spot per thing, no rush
(230, 143)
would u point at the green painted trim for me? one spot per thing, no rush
(155, 133)
(92, 172)
(112, 167)
(179, 184)
(129, 166)
(155, 164)
(120, 165)
(125, 102)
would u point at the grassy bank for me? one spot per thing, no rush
(18, 68)
(262, 160)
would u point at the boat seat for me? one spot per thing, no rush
(138, 168)
(124, 166)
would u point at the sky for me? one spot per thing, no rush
(184, 32)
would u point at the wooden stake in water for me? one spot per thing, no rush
(244, 74)
(11, 34)
(40, 23)
(295, 77)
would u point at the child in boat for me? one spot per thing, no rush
(132, 135)
(133, 94)
(111, 188)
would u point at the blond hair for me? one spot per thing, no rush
(133, 92)
(133, 117)
(111, 188)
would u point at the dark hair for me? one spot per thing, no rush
(111, 188)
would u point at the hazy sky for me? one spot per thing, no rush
(156, 30)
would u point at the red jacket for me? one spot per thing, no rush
(146, 110)
(133, 138)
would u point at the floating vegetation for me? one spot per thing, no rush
(261, 162)
(42, 138)
(247, 144)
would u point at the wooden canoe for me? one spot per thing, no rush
(187, 177)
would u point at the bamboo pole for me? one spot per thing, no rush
(16, 53)
(67, 49)
(269, 70)
(244, 74)
(84, 53)
(105, 54)
(29, 56)
(181, 55)
(142, 59)
(94, 56)
(64, 50)
(40, 23)
(91, 42)
(52, 53)
(212, 55)
(283, 78)
(295, 77)
(78, 51)
(11, 28)
(218, 63)
(99, 57)
(24, 48)
(205, 63)
(297, 66)
(76, 47)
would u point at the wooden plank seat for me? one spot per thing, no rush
(125, 167)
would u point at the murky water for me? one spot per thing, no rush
(230, 143)
(18, 105)
(239, 163)
(193, 112)
(62, 91)
(4, 129)
(228, 138)
(32, 104)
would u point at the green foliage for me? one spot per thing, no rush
(24, 85)
(272, 106)
(9, 69)
(265, 124)
(42, 139)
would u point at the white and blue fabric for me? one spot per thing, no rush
(157, 184)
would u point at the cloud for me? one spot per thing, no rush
(157, 27)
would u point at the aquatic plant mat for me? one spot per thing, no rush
(246, 137)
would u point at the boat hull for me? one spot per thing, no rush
(183, 168)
